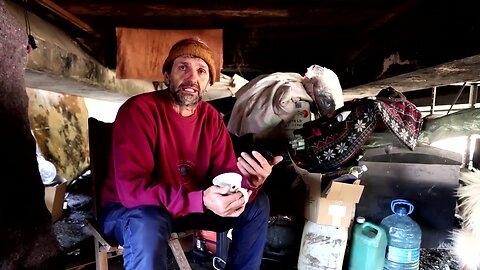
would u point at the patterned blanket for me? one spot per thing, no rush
(333, 143)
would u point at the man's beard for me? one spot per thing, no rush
(185, 99)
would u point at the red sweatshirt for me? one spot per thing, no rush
(162, 158)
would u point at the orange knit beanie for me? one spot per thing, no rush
(191, 47)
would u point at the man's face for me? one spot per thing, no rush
(188, 80)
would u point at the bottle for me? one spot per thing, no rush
(404, 237)
(369, 242)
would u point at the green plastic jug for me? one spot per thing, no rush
(369, 243)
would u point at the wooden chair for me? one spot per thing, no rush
(100, 137)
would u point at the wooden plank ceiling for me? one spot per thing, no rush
(361, 40)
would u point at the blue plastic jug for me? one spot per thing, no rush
(369, 242)
(404, 237)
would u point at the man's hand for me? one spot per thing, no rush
(256, 172)
(221, 202)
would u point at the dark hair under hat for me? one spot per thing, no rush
(193, 47)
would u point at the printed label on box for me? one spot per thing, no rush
(337, 212)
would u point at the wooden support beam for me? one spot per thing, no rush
(434, 100)
(472, 97)
(67, 16)
(231, 10)
(123, 9)
(462, 70)
(381, 22)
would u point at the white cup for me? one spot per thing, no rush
(234, 180)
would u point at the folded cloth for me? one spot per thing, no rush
(335, 149)
(403, 119)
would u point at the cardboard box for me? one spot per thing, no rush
(55, 196)
(334, 206)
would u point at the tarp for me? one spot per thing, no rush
(462, 123)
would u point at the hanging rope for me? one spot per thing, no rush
(27, 22)
(31, 39)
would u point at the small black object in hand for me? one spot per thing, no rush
(265, 153)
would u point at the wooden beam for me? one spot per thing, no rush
(224, 10)
(369, 42)
(381, 22)
(462, 70)
(122, 9)
(67, 16)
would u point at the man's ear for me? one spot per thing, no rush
(207, 87)
(166, 78)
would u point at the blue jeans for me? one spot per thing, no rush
(144, 233)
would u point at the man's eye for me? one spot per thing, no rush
(202, 71)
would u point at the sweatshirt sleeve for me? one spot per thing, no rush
(133, 146)
(223, 157)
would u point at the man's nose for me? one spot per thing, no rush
(192, 75)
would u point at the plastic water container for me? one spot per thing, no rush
(369, 242)
(404, 237)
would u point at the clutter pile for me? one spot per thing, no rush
(316, 191)
(322, 138)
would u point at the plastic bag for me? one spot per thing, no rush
(323, 86)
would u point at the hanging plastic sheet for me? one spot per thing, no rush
(462, 123)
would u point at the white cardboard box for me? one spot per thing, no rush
(335, 206)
